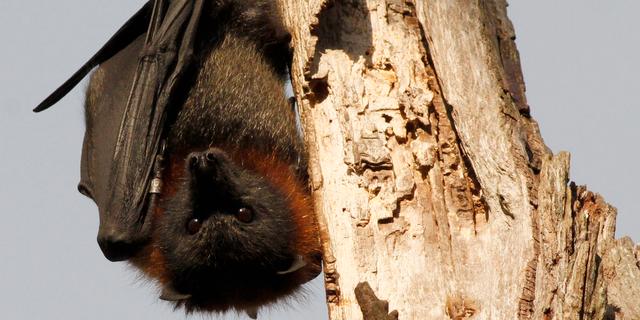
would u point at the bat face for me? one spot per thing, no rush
(220, 210)
(230, 234)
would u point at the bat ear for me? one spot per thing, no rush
(134, 27)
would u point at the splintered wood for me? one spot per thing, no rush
(433, 187)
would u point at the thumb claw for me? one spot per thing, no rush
(170, 294)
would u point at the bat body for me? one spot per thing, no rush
(235, 213)
(232, 226)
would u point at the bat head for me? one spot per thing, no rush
(233, 230)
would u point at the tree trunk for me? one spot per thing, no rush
(436, 195)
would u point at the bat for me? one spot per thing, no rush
(225, 219)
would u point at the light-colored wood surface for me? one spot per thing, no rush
(431, 180)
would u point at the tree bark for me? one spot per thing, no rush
(436, 195)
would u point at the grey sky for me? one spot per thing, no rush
(581, 69)
(580, 63)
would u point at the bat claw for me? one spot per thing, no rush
(170, 294)
(297, 264)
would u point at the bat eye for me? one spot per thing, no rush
(244, 215)
(193, 226)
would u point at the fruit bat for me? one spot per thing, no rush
(192, 154)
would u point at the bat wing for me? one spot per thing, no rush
(133, 28)
(170, 27)
(167, 53)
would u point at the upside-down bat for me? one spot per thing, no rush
(188, 105)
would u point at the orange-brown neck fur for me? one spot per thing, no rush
(281, 176)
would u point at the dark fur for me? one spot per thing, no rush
(228, 262)
(234, 110)
(237, 100)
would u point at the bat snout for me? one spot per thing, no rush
(118, 246)
(208, 164)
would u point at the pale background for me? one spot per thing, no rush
(581, 67)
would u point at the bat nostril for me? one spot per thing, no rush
(193, 161)
(211, 157)
(204, 164)
(117, 247)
